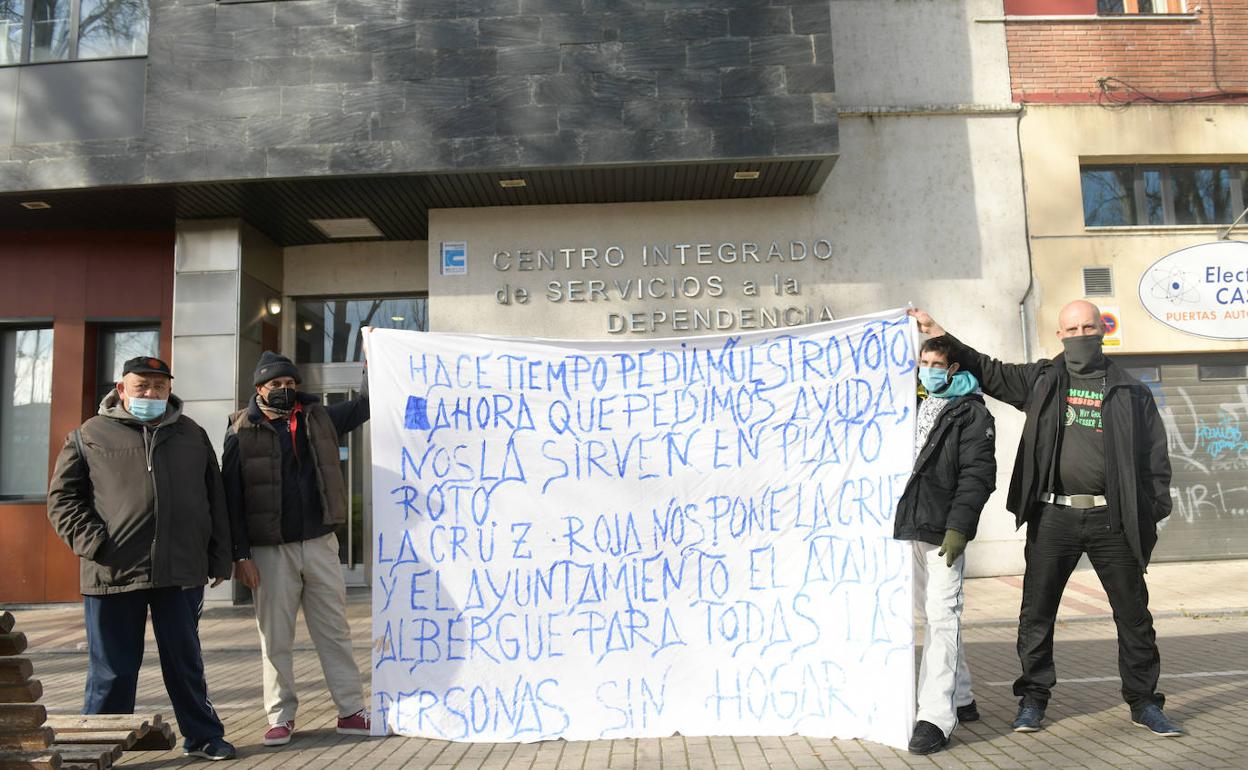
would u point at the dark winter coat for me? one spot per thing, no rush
(1137, 463)
(143, 506)
(282, 491)
(954, 475)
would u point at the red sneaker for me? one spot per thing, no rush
(356, 724)
(279, 734)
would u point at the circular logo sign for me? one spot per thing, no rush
(1200, 290)
(1111, 323)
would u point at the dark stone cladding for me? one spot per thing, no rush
(298, 88)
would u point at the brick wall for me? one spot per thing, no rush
(1168, 58)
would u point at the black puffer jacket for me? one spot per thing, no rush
(953, 476)
(1137, 460)
(142, 505)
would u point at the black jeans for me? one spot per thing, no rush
(1054, 544)
(115, 629)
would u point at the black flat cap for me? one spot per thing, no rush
(146, 365)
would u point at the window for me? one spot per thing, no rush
(1115, 7)
(1202, 196)
(1145, 374)
(49, 30)
(1163, 195)
(25, 411)
(36, 31)
(328, 330)
(1223, 372)
(1108, 197)
(118, 344)
(1154, 203)
(11, 19)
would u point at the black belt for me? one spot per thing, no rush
(1075, 501)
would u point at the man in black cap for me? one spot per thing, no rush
(286, 494)
(137, 494)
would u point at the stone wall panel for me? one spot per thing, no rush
(314, 87)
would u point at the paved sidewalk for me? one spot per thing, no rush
(1189, 588)
(1202, 622)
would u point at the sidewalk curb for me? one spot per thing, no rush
(1194, 614)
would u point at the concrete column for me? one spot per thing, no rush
(207, 275)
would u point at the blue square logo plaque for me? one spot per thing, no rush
(454, 258)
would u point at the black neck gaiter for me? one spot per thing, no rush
(1084, 357)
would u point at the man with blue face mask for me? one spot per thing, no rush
(1092, 476)
(955, 471)
(137, 494)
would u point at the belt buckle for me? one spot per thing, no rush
(1083, 501)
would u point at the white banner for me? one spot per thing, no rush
(591, 539)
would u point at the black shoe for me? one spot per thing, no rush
(927, 738)
(213, 749)
(968, 713)
(1153, 718)
(1028, 719)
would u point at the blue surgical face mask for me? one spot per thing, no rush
(933, 379)
(146, 409)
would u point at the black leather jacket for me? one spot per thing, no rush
(1137, 460)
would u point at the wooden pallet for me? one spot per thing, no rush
(132, 732)
(15, 670)
(161, 738)
(30, 760)
(24, 740)
(31, 740)
(98, 755)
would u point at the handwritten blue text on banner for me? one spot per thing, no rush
(606, 540)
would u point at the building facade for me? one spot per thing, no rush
(208, 179)
(1135, 118)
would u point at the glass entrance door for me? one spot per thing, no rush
(329, 350)
(336, 383)
(353, 457)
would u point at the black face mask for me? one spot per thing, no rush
(1083, 355)
(281, 399)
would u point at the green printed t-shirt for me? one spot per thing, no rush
(1081, 465)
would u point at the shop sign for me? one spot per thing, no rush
(663, 288)
(1200, 290)
(454, 258)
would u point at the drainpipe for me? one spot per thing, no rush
(1022, 302)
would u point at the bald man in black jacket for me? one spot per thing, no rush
(1092, 475)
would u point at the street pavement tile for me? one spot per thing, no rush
(1204, 675)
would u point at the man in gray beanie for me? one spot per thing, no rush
(286, 494)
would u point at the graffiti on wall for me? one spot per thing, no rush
(1202, 452)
